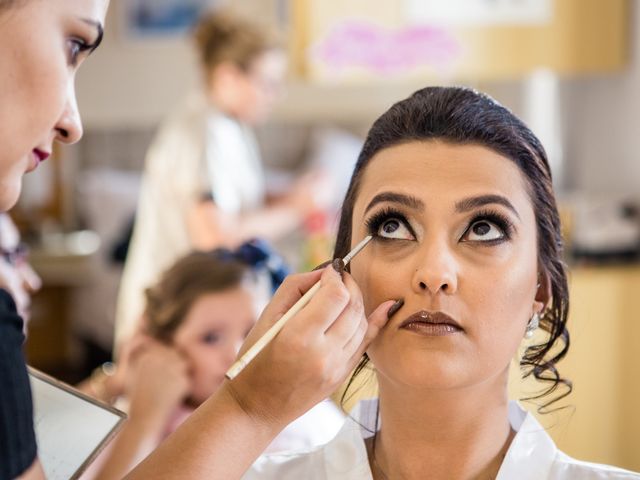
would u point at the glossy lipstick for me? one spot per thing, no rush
(431, 324)
(37, 156)
(41, 154)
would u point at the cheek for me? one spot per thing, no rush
(38, 87)
(378, 278)
(502, 299)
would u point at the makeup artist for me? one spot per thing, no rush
(42, 44)
(457, 193)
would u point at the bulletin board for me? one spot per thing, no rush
(369, 40)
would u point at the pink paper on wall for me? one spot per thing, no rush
(379, 50)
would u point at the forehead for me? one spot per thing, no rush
(220, 308)
(94, 10)
(437, 172)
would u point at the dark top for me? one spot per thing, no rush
(17, 437)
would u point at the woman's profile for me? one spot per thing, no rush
(42, 45)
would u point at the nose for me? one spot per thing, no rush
(69, 126)
(436, 269)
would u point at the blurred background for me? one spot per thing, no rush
(569, 68)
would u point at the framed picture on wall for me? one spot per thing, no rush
(154, 18)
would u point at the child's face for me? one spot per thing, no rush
(211, 334)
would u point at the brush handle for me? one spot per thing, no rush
(257, 347)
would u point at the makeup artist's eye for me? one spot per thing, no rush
(488, 227)
(75, 47)
(389, 224)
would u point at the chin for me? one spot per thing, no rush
(424, 371)
(9, 194)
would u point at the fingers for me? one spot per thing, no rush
(326, 305)
(291, 290)
(375, 323)
(352, 317)
(293, 287)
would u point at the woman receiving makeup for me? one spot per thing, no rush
(457, 193)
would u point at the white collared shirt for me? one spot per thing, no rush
(531, 456)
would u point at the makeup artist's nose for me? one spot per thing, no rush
(69, 126)
(436, 270)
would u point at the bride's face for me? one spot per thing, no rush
(455, 237)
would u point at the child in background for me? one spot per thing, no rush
(195, 320)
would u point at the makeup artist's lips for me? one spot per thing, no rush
(37, 156)
(431, 324)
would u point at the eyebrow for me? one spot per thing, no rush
(470, 203)
(406, 200)
(462, 206)
(100, 29)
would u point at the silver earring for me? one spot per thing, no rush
(533, 325)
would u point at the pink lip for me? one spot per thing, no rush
(431, 324)
(37, 156)
(41, 154)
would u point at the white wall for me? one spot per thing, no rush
(133, 82)
(603, 126)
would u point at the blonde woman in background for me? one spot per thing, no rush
(203, 184)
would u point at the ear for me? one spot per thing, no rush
(543, 293)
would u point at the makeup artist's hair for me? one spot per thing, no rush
(222, 36)
(462, 116)
(179, 287)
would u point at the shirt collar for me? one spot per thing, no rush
(530, 455)
(532, 451)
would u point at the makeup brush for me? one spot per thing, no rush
(257, 347)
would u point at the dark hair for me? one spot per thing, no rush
(463, 116)
(222, 36)
(194, 275)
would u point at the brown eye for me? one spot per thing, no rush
(483, 230)
(390, 226)
(75, 47)
(394, 228)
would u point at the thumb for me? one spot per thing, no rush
(377, 320)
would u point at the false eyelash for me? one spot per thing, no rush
(498, 219)
(375, 221)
